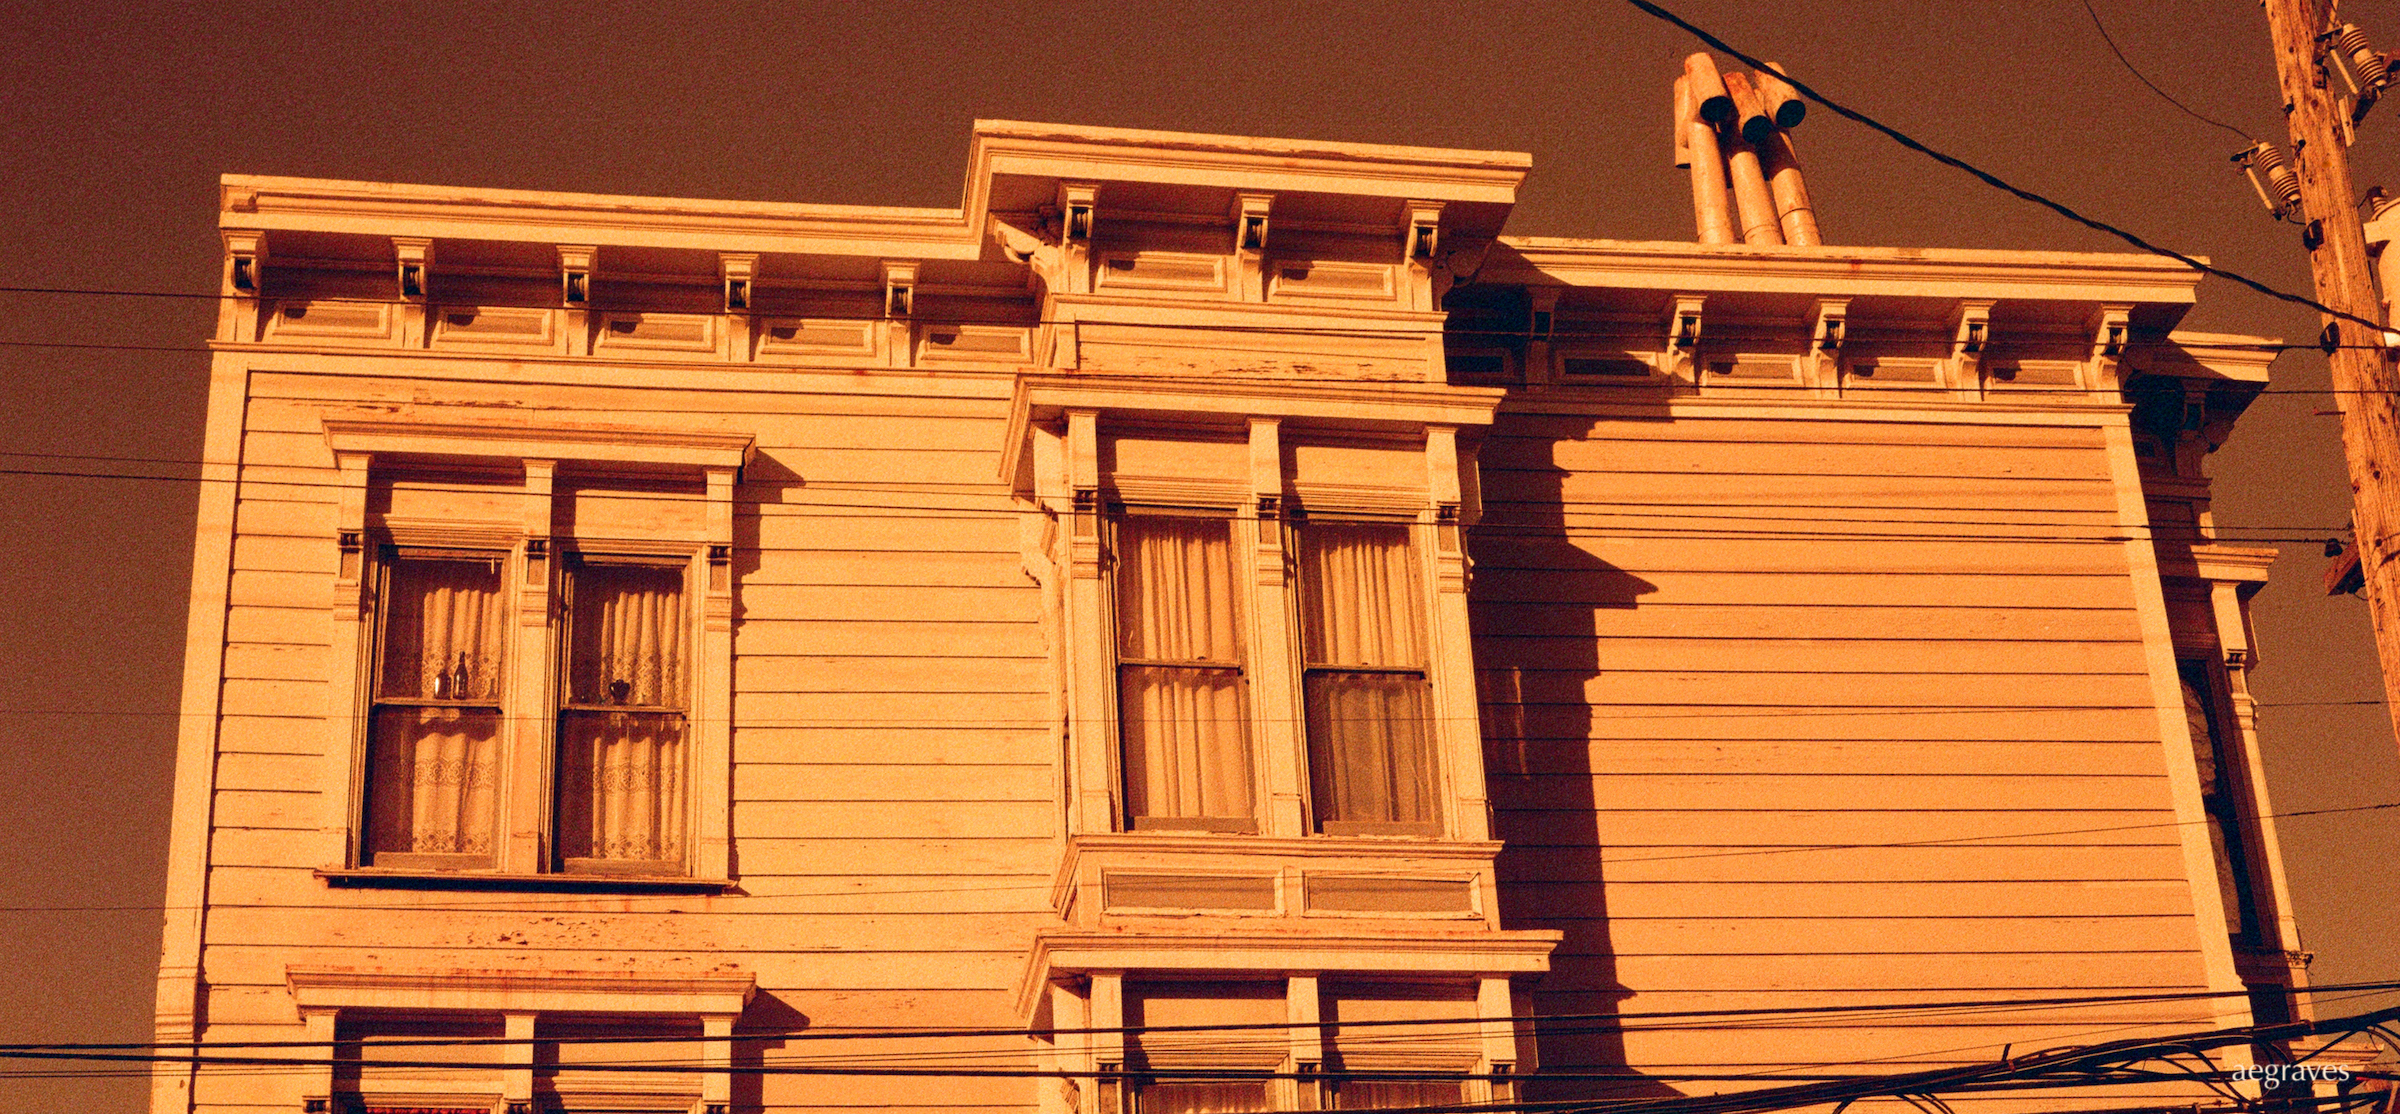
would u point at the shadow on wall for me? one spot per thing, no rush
(1536, 603)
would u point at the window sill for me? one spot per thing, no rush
(521, 883)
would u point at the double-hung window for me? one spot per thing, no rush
(1187, 750)
(434, 734)
(623, 758)
(543, 653)
(1180, 703)
(1365, 702)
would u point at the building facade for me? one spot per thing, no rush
(1209, 623)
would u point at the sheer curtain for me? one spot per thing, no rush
(434, 745)
(621, 800)
(1362, 628)
(1179, 674)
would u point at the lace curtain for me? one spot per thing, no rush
(1179, 677)
(1362, 628)
(621, 796)
(1230, 1097)
(433, 750)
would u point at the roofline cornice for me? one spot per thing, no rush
(1918, 272)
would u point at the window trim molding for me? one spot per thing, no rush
(532, 556)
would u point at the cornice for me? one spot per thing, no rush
(1246, 162)
(1837, 270)
(542, 216)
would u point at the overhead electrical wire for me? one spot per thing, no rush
(2130, 68)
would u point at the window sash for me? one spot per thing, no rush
(623, 745)
(627, 637)
(1187, 1096)
(1366, 698)
(1397, 1094)
(1183, 729)
(433, 765)
(433, 782)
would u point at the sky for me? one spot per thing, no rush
(119, 118)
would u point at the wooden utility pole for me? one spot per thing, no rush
(2366, 387)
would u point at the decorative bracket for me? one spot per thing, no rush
(1828, 328)
(1422, 239)
(899, 305)
(2112, 331)
(575, 275)
(741, 274)
(1078, 213)
(899, 289)
(1250, 211)
(1970, 334)
(1078, 206)
(413, 268)
(414, 256)
(1683, 337)
(245, 262)
(1250, 221)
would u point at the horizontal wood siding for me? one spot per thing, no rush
(1791, 712)
(895, 763)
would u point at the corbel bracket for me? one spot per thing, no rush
(245, 263)
(2112, 332)
(1250, 212)
(1078, 216)
(1078, 210)
(1828, 328)
(413, 257)
(1970, 334)
(1421, 238)
(740, 272)
(575, 263)
(1541, 313)
(899, 290)
(1683, 336)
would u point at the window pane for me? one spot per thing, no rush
(1187, 754)
(621, 784)
(1175, 590)
(1397, 1094)
(1179, 689)
(441, 629)
(1359, 603)
(1367, 708)
(1201, 1098)
(2216, 796)
(628, 636)
(433, 781)
(1370, 753)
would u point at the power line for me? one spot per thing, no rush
(2375, 328)
(2138, 76)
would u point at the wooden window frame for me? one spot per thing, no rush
(705, 466)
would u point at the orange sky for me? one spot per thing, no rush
(121, 116)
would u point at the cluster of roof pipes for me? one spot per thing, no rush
(1736, 126)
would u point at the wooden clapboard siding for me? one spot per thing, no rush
(1797, 711)
(894, 780)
